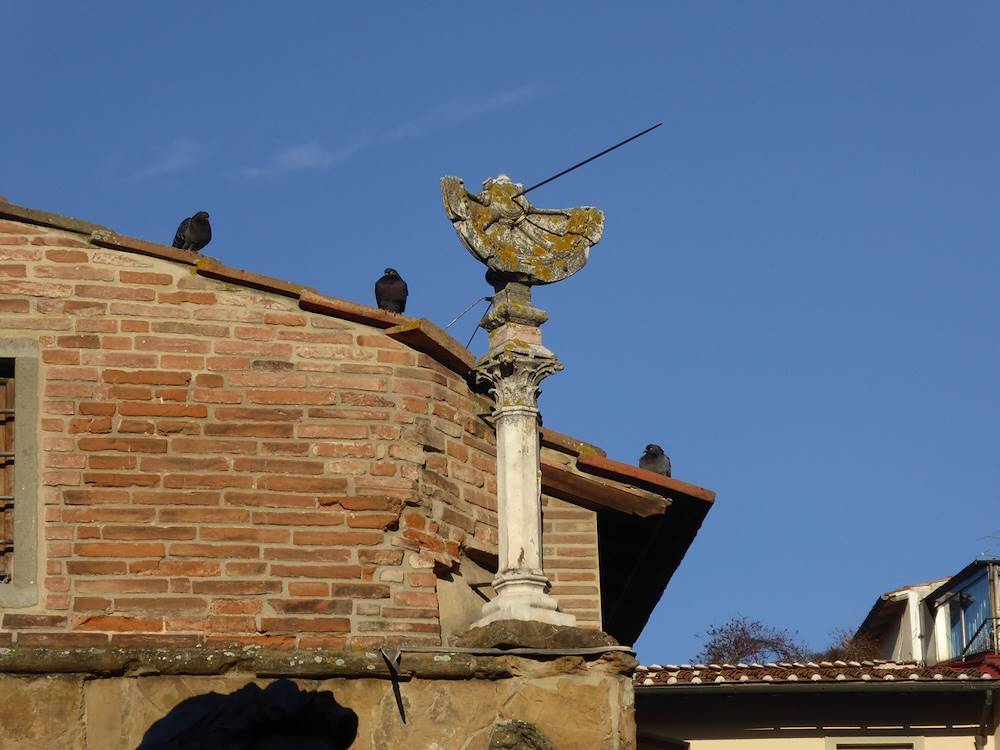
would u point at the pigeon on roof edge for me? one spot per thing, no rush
(654, 459)
(391, 291)
(194, 233)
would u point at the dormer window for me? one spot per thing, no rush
(969, 616)
(967, 605)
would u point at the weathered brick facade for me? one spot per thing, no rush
(226, 458)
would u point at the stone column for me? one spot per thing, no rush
(521, 246)
(514, 367)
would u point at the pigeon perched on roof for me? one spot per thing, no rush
(391, 291)
(194, 232)
(654, 459)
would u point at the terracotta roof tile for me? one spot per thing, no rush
(426, 337)
(825, 671)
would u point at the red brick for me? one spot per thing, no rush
(244, 534)
(168, 605)
(62, 256)
(142, 277)
(253, 429)
(144, 640)
(97, 408)
(259, 415)
(12, 270)
(203, 515)
(96, 425)
(35, 289)
(409, 613)
(183, 463)
(380, 556)
(308, 588)
(179, 298)
(124, 445)
(244, 569)
(122, 586)
(394, 626)
(305, 624)
(270, 500)
(341, 431)
(14, 305)
(131, 409)
(107, 291)
(206, 481)
(95, 568)
(302, 484)
(148, 532)
(17, 621)
(416, 599)
(312, 606)
(109, 479)
(118, 549)
(236, 607)
(117, 623)
(360, 590)
(372, 520)
(338, 538)
(95, 496)
(315, 571)
(200, 446)
(421, 579)
(284, 319)
(215, 550)
(307, 554)
(292, 518)
(175, 568)
(236, 588)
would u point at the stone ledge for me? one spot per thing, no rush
(339, 308)
(566, 444)
(303, 663)
(505, 634)
(214, 270)
(46, 219)
(112, 241)
(633, 475)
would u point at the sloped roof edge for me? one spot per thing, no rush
(418, 333)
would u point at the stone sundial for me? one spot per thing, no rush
(520, 244)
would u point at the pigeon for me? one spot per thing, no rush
(391, 291)
(194, 232)
(654, 459)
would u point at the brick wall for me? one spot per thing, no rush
(220, 465)
(569, 535)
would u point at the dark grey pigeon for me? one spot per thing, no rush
(391, 291)
(194, 232)
(654, 459)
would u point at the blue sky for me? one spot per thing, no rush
(796, 293)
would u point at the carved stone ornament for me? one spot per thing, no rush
(515, 239)
(515, 374)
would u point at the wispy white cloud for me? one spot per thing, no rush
(304, 157)
(178, 156)
(462, 108)
(312, 156)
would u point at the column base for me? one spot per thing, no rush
(521, 596)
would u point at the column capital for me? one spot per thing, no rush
(514, 372)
